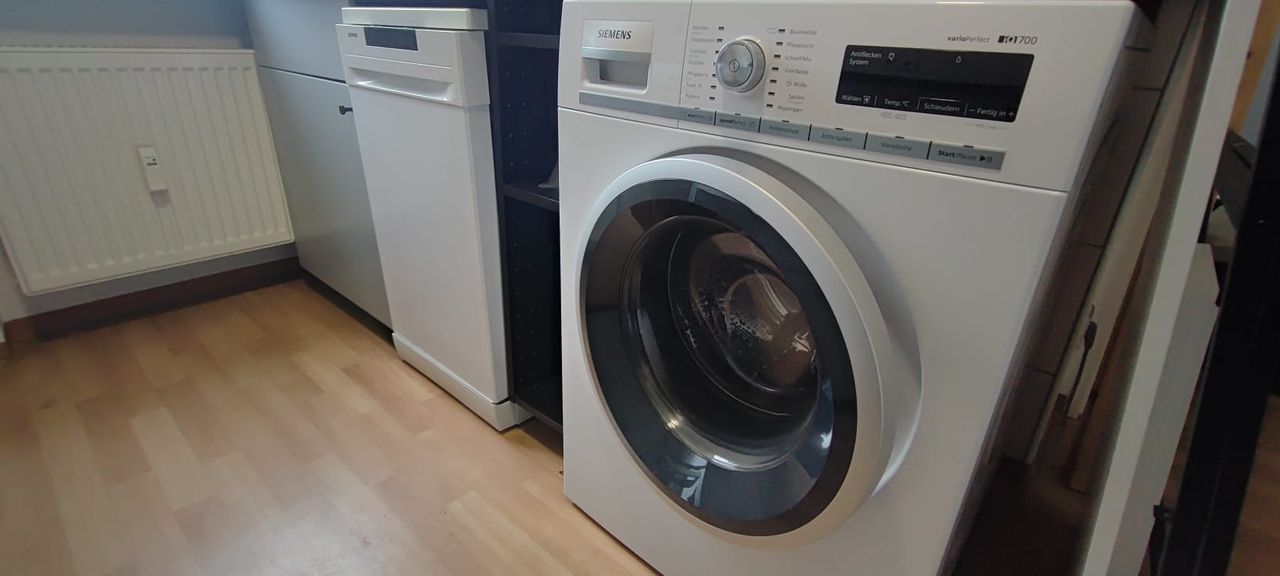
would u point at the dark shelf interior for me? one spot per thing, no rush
(523, 52)
(543, 401)
(533, 16)
(528, 40)
(547, 198)
(527, 80)
(532, 246)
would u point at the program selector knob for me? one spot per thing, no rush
(740, 65)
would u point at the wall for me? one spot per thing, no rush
(1154, 405)
(123, 23)
(1251, 129)
(1259, 69)
(130, 23)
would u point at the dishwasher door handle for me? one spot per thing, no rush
(413, 80)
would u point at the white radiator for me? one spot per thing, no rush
(75, 206)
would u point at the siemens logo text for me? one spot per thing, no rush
(614, 34)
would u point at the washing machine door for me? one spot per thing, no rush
(734, 342)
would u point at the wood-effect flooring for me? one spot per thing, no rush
(269, 433)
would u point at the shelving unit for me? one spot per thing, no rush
(529, 40)
(523, 51)
(542, 396)
(532, 194)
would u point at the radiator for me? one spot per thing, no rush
(75, 205)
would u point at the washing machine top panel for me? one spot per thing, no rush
(1009, 91)
(719, 358)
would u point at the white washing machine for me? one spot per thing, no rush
(800, 244)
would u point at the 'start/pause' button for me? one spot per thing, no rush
(967, 155)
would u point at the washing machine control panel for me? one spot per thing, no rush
(772, 81)
(1013, 92)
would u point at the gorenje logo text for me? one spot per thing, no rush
(615, 34)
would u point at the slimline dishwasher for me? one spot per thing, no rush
(418, 83)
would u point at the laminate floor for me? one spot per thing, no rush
(269, 433)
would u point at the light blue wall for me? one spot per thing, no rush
(131, 23)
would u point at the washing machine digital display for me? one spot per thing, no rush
(980, 85)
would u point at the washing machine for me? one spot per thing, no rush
(800, 245)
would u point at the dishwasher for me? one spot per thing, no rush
(419, 89)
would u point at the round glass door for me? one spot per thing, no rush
(718, 357)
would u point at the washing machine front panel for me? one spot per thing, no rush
(938, 263)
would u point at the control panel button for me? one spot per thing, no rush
(898, 145)
(967, 155)
(837, 137)
(740, 65)
(942, 106)
(696, 115)
(784, 129)
(857, 99)
(738, 121)
(997, 113)
(905, 103)
(627, 104)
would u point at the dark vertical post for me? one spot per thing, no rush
(1242, 370)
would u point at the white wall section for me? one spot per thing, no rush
(1172, 302)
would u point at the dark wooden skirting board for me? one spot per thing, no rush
(116, 309)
